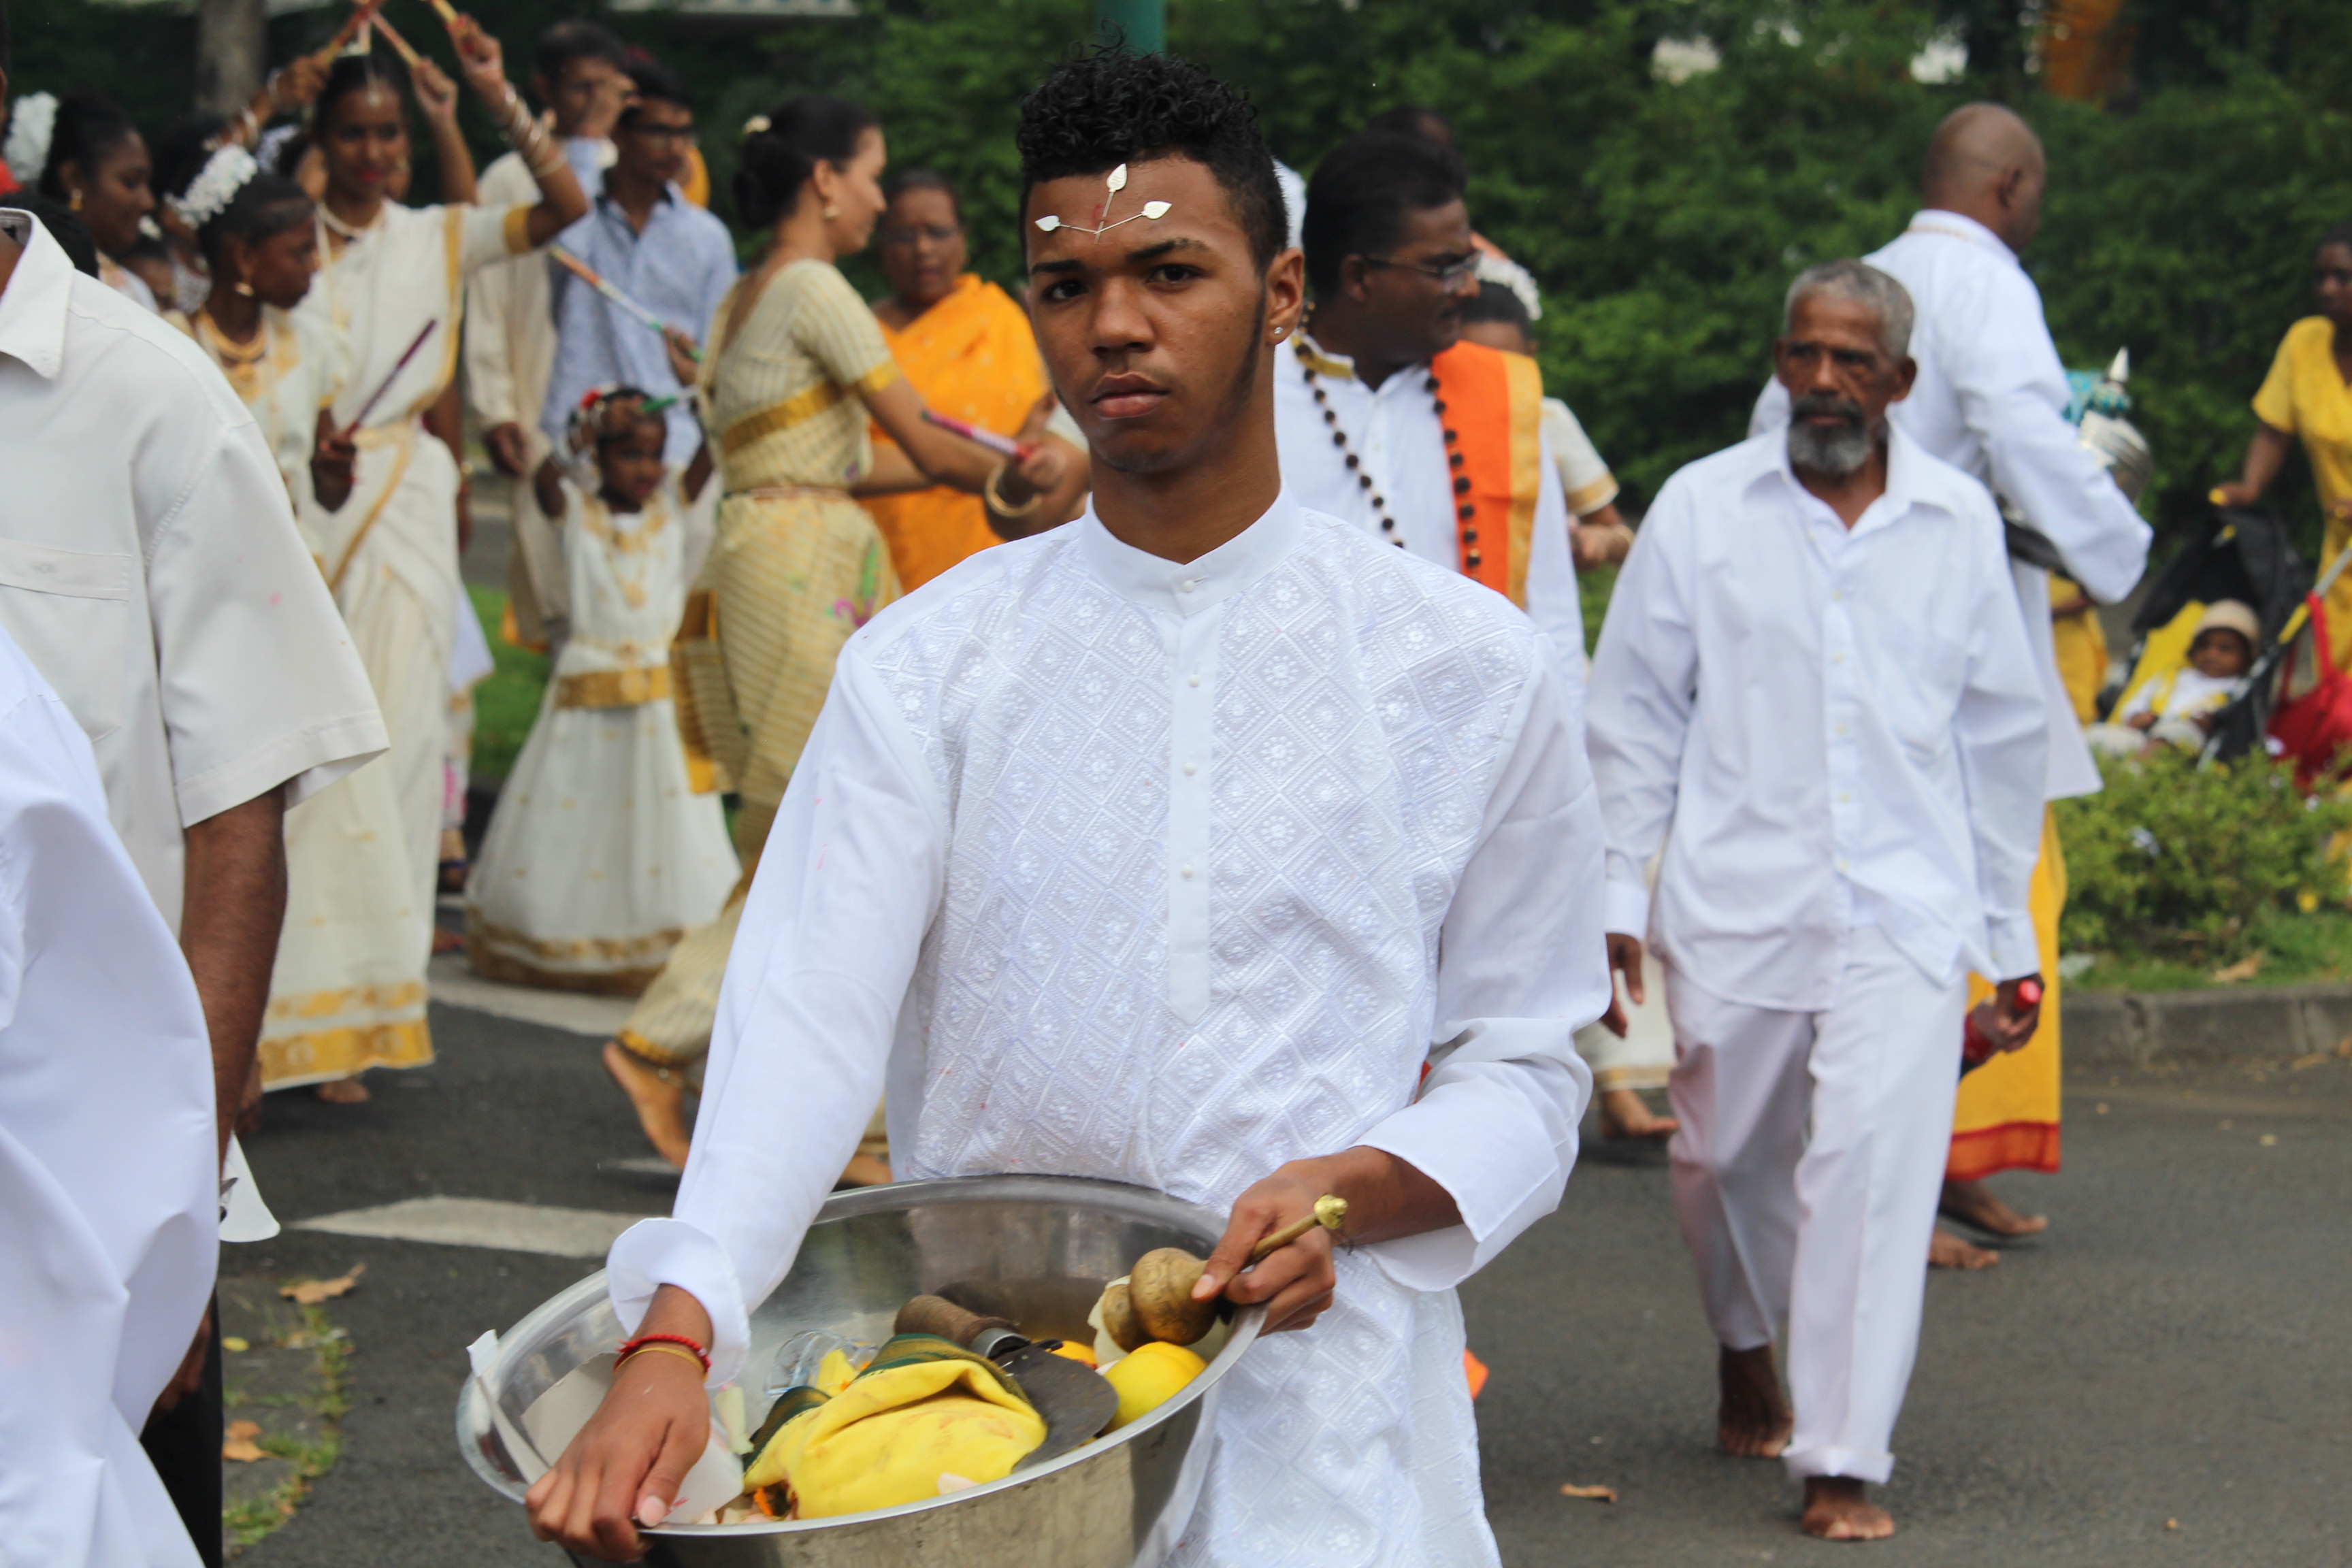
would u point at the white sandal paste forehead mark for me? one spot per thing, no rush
(1114, 183)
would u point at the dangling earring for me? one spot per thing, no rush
(242, 287)
(831, 212)
(73, 201)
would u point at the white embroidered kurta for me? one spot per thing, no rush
(391, 553)
(1823, 728)
(108, 1183)
(1169, 874)
(600, 855)
(1990, 400)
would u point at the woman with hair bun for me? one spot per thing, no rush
(348, 989)
(394, 279)
(796, 366)
(97, 164)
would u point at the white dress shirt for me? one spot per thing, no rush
(1841, 728)
(1169, 874)
(108, 1182)
(150, 569)
(1991, 400)
(1395, 431)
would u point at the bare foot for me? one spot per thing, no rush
(865, 1171)
(1973, 1203)
(343, 1092)
(659, 1098)
(1945, 1250)
(1754, 1421)
(1836, 1510)
(1625, 1114)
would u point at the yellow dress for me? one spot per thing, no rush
(796, 568)
(2305, 395)
(2080, 644)
(973, 358)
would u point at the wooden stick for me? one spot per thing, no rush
(398, 366)
(1330, 1212)
(448, 14)
(325, 55)
(399, 44)
(1003, 446)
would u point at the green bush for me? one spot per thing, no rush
(2175, 860)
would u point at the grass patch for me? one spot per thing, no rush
(2297, 948)
(506, 704)
(251, 1519)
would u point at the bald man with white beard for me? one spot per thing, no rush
(1990, 400)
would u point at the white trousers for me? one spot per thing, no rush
(1805, 1180)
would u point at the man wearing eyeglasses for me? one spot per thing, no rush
(643, 237)
(1388, 418)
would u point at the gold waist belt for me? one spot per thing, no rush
(613, 688)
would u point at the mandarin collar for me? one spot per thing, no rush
(1189, 587)
(32, 307)
(1960, 226)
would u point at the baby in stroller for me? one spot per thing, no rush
(2179, 710)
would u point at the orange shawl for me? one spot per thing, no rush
(971, 357)
(1493, 401)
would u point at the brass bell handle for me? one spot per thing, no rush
(1329, 1213)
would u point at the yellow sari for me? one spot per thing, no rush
(972, 357)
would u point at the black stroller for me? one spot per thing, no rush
(2240, 554)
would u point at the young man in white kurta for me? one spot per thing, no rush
(1836, 733)
(109, 1173)
(1171, 866)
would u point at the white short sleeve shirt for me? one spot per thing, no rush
(150, 569)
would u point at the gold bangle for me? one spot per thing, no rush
(994, 497)
(660, 1345)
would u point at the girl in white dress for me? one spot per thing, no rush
(391, 272)
(348, 992)
(600, 854)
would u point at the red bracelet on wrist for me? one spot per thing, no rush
(633, 1346)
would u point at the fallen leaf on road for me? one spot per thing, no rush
(1598, 1494)
(234, 1345)
(239, 1443)
(2245, 968)
(310, 1292)
(2172, 1524)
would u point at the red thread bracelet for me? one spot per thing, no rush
(633, 1346)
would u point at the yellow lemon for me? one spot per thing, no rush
(1150, 1378)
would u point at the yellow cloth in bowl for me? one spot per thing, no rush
(925, 1410)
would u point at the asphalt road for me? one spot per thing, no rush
(2162, 1379)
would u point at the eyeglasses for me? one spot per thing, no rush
(1445, 272)
(682, 135)
(937, 233)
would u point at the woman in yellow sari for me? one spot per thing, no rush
(795, 367)
(2308, 393)
(967, 349)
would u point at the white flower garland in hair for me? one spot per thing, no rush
(224, 173)
(1513, 277)
(26, 152)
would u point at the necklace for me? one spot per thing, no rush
(629, 544)
(240, 362)
(1466, 510)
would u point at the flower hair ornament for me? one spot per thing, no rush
(585, 430)
(1494, 269)
(1115, 183)
(224, 173)
(27, 151)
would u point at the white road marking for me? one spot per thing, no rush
(454, 984)
(482, 1222)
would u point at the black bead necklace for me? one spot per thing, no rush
(1467, 512)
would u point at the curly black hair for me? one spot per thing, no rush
(1111, 106)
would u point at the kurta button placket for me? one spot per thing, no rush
(1190, 750)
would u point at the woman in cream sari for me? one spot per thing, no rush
(394, 283)
(347, 993)
(796, 366)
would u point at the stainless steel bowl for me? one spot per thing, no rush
(1033, 1248)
